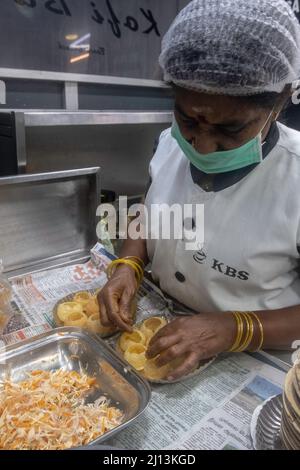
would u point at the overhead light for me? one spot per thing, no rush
(80, 57)
(81, 44)
(84, 47)
(71, 37)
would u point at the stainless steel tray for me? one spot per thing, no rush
(114, 342)
(68, 298)
(74, 349)
(56, 216)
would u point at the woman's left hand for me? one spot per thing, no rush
(195, 338)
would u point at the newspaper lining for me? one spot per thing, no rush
(209, 411)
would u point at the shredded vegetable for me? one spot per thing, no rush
(47, 411)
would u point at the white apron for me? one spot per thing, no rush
(252, 230)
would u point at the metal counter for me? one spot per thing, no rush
(120, 142)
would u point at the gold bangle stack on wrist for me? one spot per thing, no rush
(136, 263)
(245, 331)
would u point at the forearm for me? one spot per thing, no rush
(135, 248)
(281, 327)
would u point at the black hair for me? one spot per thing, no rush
(267, 100)
(271, 100)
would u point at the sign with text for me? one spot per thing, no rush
(103, 37)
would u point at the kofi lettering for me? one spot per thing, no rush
(145, 23)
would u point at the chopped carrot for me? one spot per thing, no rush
(47, 412)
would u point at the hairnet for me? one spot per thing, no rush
(233, 47)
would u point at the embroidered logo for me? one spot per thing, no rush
(200, 257)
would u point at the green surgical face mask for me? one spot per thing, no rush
(224, 161)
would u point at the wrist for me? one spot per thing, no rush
(134, 265)
(230, 325)
(249, 332)
(124, 269)
(126, 275)
(135, 259)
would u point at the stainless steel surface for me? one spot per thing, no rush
(71, 96)
(49, 176)
(121, 143)
(73, 349)
(47, 218)
(45, 118)
(2, 92)
(281, 358)
(53, 263)
(266, 425)
(284, 357)
(122, 151)
(20, 142)
(79, 78)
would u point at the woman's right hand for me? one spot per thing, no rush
(117, 298)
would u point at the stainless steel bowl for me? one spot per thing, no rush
(73, 349)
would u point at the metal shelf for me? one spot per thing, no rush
(91, 118)
(24, 74)
(25, 119)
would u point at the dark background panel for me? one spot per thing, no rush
(42, 35)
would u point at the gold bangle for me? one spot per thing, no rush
(135, 266)
(244, 336)
(249, 334)
(261, 329)
(240, 331)
(137, 259)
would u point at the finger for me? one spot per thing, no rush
(159, 344)
(173, 352)
(168, 329)
(125, 307)
(112, 309)
(188, 365)
(103, 315)
(173, 327)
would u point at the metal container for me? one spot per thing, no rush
(74, 349)
(48, 220)
(69, 298)
(114, 342)
(266, 425)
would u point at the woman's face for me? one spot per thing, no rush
(214, 123)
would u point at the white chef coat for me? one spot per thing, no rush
(252, 231)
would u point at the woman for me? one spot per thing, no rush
(232, 65)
